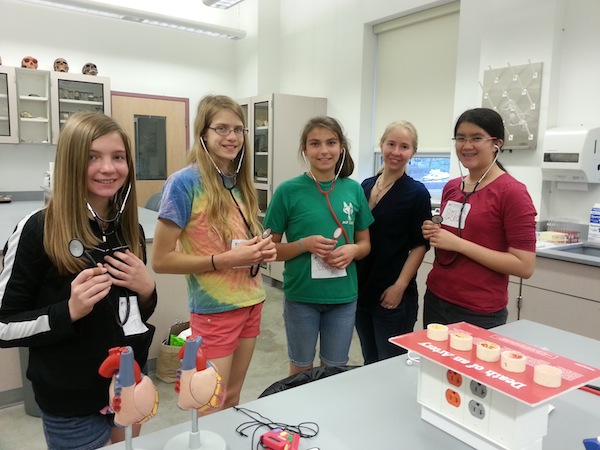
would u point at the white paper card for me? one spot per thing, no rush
(234, 244)
(320, 269)
(134, 324)
(452, 214)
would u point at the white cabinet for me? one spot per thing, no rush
(34, 104)
(72, 93)
(9, 125)
(33, 91)
(275, 123)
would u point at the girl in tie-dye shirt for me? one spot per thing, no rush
(208, 230)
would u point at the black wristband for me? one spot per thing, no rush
(212, 261)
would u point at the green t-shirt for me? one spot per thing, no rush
(299, 209)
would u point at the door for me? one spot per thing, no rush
(158, 129)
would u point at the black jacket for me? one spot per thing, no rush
(64, 356)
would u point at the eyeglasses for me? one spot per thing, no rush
(224, 131)
(459, 141)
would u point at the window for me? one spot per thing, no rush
(433, 170)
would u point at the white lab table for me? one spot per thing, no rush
(375, 407)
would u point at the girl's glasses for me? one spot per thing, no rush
(224, 131)
(459, 141)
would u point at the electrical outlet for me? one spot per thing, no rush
(476, 409)
(478, 389)
(454, 378)
(453, 398)
(478, 400)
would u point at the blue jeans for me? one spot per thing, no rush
(438, 310)
(332, 324)
(77, 433)
(375, 327)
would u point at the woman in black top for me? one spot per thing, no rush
(387, 288)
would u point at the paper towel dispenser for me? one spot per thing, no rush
(572, 154)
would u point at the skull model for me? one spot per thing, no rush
(29, 62)
(61, 65)
(89, 69)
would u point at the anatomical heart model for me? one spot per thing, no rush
(132, 395)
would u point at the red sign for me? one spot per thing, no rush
(517, 385)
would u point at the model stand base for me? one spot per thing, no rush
(200, 440)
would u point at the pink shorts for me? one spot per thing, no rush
(221, 332)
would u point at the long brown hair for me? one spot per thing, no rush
(219, 206)
(67, 216)
(335, 127)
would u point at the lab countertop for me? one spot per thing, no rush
(575, 254)
(11, 213)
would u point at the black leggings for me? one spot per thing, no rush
(437, 310)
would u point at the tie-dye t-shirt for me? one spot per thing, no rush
(184, 203)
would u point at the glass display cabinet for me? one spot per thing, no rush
(72, 93)
(33, 90)
(9, 124)
(275, 123)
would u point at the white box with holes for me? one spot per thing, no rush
(481, 387)
(476, 414)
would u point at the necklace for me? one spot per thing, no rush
(380, 189)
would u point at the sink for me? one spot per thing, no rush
(581, 248)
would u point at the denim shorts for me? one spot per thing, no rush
(81, 433)
(332, 324)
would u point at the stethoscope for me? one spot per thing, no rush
(229, 183)
(114, 221)
(78, 250)
(438, 219)
(340, 230)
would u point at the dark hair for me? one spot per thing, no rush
(487, 119)
(335, 127)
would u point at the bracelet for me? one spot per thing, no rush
(300, 244)
(212, 261)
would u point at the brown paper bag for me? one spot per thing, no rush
(168, 361)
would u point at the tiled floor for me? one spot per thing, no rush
(20, 431)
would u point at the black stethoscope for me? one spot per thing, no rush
(438, 219)
(229, 183)
(78, 250)
(114, 221)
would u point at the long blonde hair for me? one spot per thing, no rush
(67, 214)
(219, 207)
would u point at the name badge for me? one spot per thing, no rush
(452, 214)
(320, 269)
(234, 244)
(133, 324)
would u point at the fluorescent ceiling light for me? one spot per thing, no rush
(145, 17)
(221, 4)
